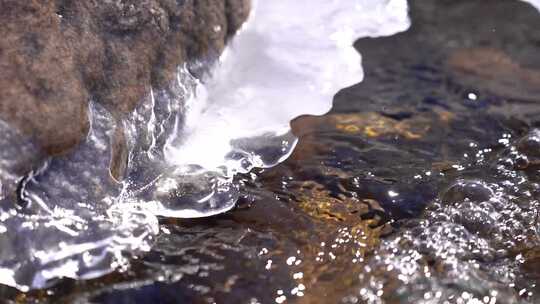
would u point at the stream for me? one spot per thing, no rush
(365, 152)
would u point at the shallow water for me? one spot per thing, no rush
(420, 186)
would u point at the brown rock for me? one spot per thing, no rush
(57, 55)
(41, 90)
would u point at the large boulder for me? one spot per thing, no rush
(57, 55)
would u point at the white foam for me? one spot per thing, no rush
(290, 60)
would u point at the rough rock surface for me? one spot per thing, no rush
(57, 55)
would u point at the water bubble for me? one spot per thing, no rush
(472, 190)
(530, 143)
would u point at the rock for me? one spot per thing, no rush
(57, 55)
(41, 89)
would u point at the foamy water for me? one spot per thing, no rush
(72, 219)
(285, 63)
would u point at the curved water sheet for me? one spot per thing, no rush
(70, 218)
(286, 62)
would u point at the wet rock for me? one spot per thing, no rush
(41, 91)
(57, 55)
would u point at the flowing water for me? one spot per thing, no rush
(421, 184)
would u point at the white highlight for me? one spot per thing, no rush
(535, 3)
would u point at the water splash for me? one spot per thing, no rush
(280, 66)
(185, 144)
(284, 64)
